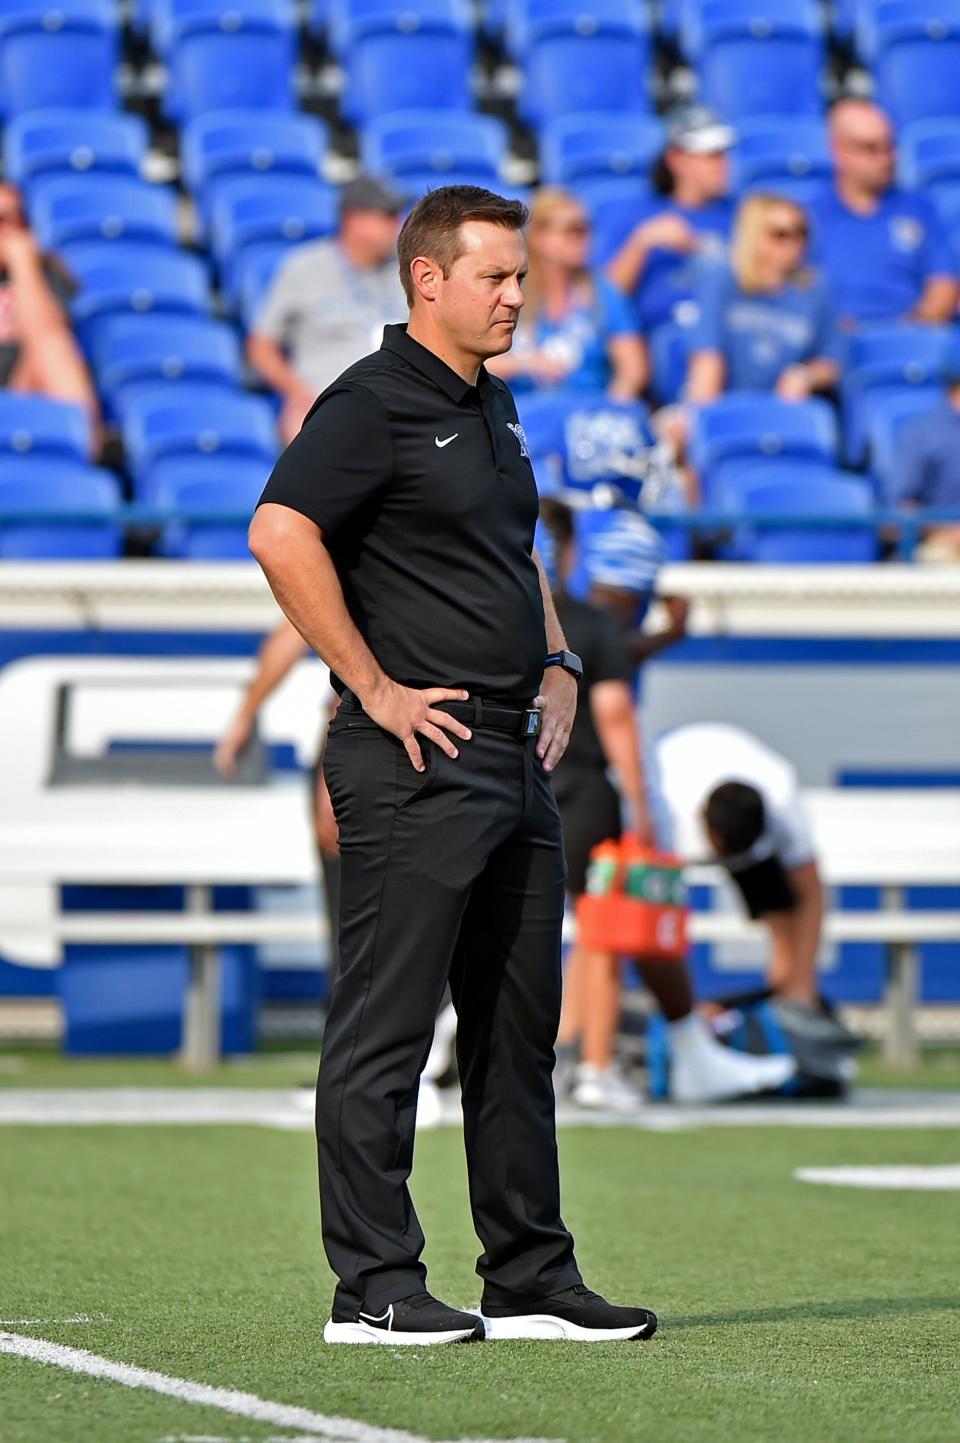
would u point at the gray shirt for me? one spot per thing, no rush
(326, 313)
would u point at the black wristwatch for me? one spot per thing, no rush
(568, 660)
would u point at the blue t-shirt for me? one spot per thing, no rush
(578, 338)
(878, 264)
(928, 466)
(760, 334)
(669, 277)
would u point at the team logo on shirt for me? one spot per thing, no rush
(521, 436)
(906, 232)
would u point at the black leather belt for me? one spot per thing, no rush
(523, 723)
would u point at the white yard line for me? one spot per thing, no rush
(276, 1108)
(242, 1405)
(907, 1178)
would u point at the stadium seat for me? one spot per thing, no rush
(230, 486)
(35, 484)
(164, 423)
(614, 207)
(135, 351)
(117, 276)
(437, 142)
(255, 211)
(915, 54)
(767, 64)
(886, 362)
(403, 55)
(223, 53)
(38, 426)
(103, 207)
(743, 426)
(801, 490)
(781, 152)
(600, 145)
(59, 53)
(64, 141)
(583, 55)
(227, 143)
(251, 274)
(928, 158)
(885, 431)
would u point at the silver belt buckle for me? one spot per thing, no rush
(530, 726)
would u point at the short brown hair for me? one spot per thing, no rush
(433, 226)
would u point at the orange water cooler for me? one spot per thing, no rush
(635, 902)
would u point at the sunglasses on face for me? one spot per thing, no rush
(573, 227)
(871, 147)
(787, 233)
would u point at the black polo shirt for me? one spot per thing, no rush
(425, 495)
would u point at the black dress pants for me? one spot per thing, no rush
(453, 874)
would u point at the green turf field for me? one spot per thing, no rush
(790, 1313)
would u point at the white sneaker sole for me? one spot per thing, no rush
(363, 1333)
(546, 1327)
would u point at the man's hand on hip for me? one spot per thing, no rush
(408, 713)
(557, 700)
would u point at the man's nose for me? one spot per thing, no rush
(512, 295)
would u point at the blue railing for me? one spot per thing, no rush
(905, 527)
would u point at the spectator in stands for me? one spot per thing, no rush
(575, 329)
(766, 320)
(884, 250)
(38, 350)
(928, 470)
(329, 302)
(659, 263)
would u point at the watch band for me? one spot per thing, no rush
(568, 661)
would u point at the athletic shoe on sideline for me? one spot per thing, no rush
(703, 1070)
(417, 1321)
(576, 1314)
(604, 1089)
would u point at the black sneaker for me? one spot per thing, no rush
(576, 1314)
(418, 1321)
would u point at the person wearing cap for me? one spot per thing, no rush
(927, 472)
(659, 263)
(885, 251)
(622, 557)
(329, 301)
(734, 802)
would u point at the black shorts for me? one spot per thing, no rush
(590, 811)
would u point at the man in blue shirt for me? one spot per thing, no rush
(885, 251)
(928, 470)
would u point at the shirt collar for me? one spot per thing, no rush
(395, 339)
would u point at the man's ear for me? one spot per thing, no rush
(426, 276)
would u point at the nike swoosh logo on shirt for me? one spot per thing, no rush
(441, 444)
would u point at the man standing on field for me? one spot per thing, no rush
(397, 534)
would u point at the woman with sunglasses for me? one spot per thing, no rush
(766, 320)
(576, 329)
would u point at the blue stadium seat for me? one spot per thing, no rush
(223, 53)
(169, 422)
(767, 64)
(885, 433)
(104, 207)
(744, 426)
(136, 351)
(38, 426)
(226, 143)
(928, 158)
(257, 211)
(39, 484)
(781, 152)
(123, 276)
(438, 142)
(417, 184)
(251, 274)
(65, 141)
(60, 53)
(599, 145)
(801, 490)
(403, 55)
(614, 207)
(884, 362)
(583, 55)
(915, 53)
(230, 486)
